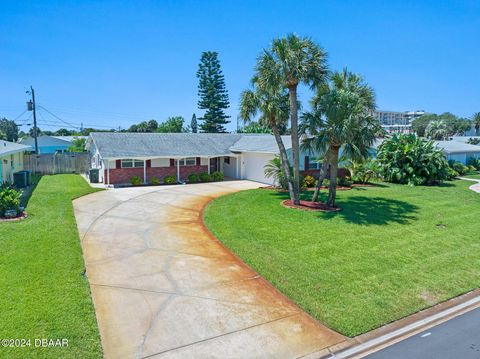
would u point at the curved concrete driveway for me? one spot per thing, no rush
(163, 287)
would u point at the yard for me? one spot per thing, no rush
(391, 251)
(44, 291)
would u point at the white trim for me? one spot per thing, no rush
(144, 171)
(178, 170)
(108, 173)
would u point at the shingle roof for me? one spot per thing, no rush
(144, 145)
(260, 143)
(457, 147)
(7, 148)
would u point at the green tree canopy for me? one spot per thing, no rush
(78, 145)
(194, 124)
(144, 126)
(172, 124)
(255, 127)
(9, 129)
(213, 93)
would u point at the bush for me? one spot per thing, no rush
(364, 171)
(459, 167)
(217, 176)
(407, 159)
(193, 178)
(344, 182)
(204, 177)
(274, 169)
(9, 199)
(170, 179)
(475, 162)
(308, 182)
(135, 181)
(154, 180)
(471, 170)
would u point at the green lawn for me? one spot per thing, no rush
(473, 176)
(392, 251)
(44, 293)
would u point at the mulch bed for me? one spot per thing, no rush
(310, 206)
(19, 217)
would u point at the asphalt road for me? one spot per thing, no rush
(459, 338)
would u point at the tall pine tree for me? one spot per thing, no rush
(193, 124)
(213, 93)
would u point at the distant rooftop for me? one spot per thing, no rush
(8, 148)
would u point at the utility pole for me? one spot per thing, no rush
(32, 107)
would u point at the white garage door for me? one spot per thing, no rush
(253, 167)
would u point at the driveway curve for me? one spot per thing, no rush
(164, 287)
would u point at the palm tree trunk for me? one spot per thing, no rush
(292, 92)
(332, 191)
(322, 175)
(283, 158)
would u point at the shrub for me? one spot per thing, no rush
(452, 174)
(273, 169)
(407, 159)
(204, 177)
(135, 181)
(154, 180)
(459, 167)
(308, 182)
(217, 176)
(170, 179)
(9, 199)
(475, 162)
(193, 178)
(344, 182)
(364, 171)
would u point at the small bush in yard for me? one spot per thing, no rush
(308, 182)
(193, 178)
(135, 181)
(217, 176)
(9, 199)
(344, 182)
(459, 167)
(170, 179)
(154, 180)
(204, 177)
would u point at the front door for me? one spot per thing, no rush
(213, 164)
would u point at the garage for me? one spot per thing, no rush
(253, 166)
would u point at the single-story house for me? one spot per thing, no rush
(11, 159)
(49, 144)
(121, 156)
(458, 151)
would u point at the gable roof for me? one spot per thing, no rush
(456, 147)
(8, 148)
(260, 143)
(45, 141)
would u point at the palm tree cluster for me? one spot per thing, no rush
(340, 118)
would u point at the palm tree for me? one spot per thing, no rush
(289, 62)
(273, 105)
(476, 123)
(340, 119)
(313, 125)
(437, 130)
(274, 169)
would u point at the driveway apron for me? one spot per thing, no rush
(164, 287)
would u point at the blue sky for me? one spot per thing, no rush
(113, 63)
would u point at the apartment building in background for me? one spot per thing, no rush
(397, 122)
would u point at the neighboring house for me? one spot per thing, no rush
(458, 151)
(48, 144)
(121, 156)
(11, 159)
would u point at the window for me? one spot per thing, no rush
(189, 161)
(226, 160)
(314, 164)
(129, 163)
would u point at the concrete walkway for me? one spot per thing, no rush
(163, 287)
(475, 187)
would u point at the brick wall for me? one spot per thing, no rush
(342, 173)
(123, 175)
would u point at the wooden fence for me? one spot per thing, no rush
(49, 164)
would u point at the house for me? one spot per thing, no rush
(121, 156)
(49, 144)
(458, 151)
(11, 159)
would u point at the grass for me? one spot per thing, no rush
(44, 293)
(393, 250)
(473, 176)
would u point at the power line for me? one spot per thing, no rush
(58, 118)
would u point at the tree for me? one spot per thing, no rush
(476, 123)
(10, 130)
(407, 159)
(32, 134)
(340, 118)
(144, 126)
(78, 145)
(3, 135)
(437, 130)
(273, 105)
(419, 125)
(172, 124)
(340, 109)
(255, 127)
(274, 169)
(213, 93)
(194, 124)
(289, 62)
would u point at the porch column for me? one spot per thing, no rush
(208, 161)
(144, 171)
(178, 170)
(108, 173)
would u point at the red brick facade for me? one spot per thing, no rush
(342, 173)
(123, 175)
